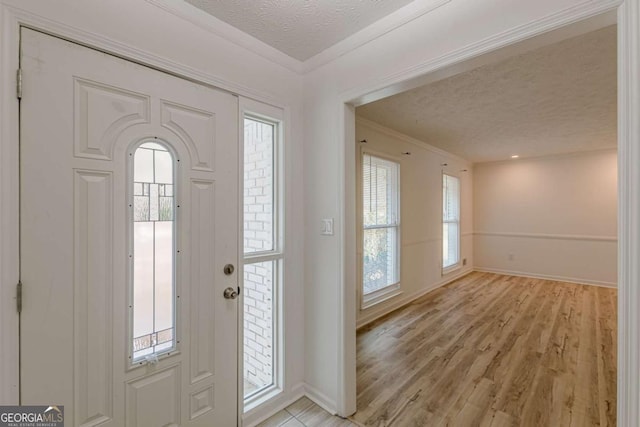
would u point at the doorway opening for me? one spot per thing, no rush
(527, 138)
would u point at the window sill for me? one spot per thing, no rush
(381, 295)
(261, 397)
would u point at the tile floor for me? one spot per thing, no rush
(305, 413)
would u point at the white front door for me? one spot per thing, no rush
(129, 214)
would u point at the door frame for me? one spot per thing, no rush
(11, 21)
(627, 13)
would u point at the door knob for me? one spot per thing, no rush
(230, 293)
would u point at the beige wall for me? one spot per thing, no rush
(420, 212)
(551, 217)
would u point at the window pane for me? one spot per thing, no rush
(451, 220)
(153, 250)
(258, 186)
(450, 249)
(163, 167)
(379, 191)
(258, 326)
(380, 259)
(163, 275)
(143, 278)
(143, 165)
(451, 198)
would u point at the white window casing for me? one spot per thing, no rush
(263, 254)
(380, 228)
(450, 223)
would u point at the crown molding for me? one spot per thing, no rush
(17, 17)
(373, 31)
(230, 33)
(209, 23)
(406, 138)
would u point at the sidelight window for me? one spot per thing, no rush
(263, 258)
(153, 251)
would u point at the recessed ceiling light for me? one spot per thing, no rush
(515, 156)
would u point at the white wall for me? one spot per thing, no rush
(439, 38)
(420, 210)
(551, 217)
(152, 35)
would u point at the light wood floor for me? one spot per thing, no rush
(492, 350)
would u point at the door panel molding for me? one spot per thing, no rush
(202, 312)
(93, 297)
(135, 108)
(185, 121)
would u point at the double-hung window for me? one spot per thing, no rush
(263, 257)
(381, 226)
(450, 223)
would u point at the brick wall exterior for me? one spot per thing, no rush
(258, 324)
(258, 187)
(258, 236)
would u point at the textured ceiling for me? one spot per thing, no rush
(300, 28)
(560, 98)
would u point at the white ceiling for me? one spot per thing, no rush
(300, 28)
(560, 98)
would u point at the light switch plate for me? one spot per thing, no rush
(327, 227)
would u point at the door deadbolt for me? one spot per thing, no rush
(228, 269)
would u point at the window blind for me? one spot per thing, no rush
(380, 185)
(380, 195)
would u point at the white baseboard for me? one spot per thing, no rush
(275, 405)
(547, 277)
(374, 314)
(321, 399)
(263, 412)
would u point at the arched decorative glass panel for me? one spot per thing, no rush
(153, 244)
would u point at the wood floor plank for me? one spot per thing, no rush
(469, 416)
(607, 370)
(492, 350)
(586, 389)
(522, 377)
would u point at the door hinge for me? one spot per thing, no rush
(19, 83)
(19, 296)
